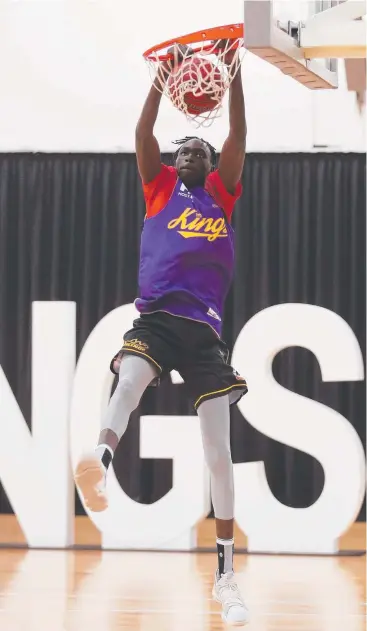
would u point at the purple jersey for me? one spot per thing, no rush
(187, 255)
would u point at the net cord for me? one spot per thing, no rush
(201, 78)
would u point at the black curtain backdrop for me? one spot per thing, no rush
(70, 230)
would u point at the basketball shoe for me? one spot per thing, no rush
(226, 592)
(90, 477)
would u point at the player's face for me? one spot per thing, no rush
(193, 163)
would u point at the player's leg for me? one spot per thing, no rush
(215, 428)
(135, 374)
(214, 386)
(144, 356)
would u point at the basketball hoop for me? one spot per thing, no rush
(197, 81)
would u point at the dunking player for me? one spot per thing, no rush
(186, 267)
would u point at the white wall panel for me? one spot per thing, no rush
(73, 79)
(336, 120)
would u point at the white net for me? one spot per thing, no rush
(196, 79)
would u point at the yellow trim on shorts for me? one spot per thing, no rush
(208, 394)
(132, 350)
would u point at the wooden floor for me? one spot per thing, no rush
(139, 591)
(86, 534)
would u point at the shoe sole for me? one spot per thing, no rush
(232, 624)
(88, 475)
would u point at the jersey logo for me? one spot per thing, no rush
(184, 192)
(192, 224)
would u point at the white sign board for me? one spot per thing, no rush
(66, 412)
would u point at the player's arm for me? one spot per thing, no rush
(147, 148)
(232, 157)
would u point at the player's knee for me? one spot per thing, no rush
(218, 459)
(128, 393)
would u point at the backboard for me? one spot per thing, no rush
(305, 39)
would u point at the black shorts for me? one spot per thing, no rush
(192, 348)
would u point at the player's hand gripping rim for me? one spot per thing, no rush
(177, 52)
(222, 44)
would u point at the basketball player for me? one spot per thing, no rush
(186, 268)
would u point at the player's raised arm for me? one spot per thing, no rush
(232, 157)
(147, 148)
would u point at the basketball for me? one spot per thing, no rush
(189, 76)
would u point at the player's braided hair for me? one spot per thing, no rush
(182, 141)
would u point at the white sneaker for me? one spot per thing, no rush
(90, 476)
(226, 592)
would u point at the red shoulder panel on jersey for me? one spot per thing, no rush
(218, 191)
(158, 192)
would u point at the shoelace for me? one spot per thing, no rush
(230, 590)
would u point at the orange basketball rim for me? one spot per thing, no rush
(215, 54)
